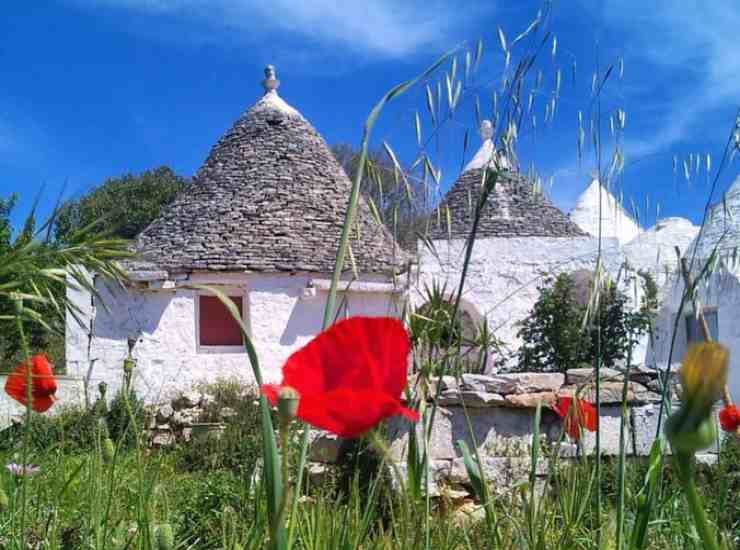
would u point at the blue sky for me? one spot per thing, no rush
(97, 88)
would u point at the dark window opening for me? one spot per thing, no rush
(694, 332)
(217, 327)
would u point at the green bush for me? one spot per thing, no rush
(561, 332)
(72, 429)
(118, 418)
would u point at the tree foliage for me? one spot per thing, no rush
(561, 332)
(121, 206)
(398, 200)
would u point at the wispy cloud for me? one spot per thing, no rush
(381, 28)
(693, 47)
(682, 78)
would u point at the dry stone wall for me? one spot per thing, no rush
(501, 411)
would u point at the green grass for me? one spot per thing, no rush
(80, 501)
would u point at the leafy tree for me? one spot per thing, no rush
(556, 338)
(120, 207)
(552, 336)
(399, 200)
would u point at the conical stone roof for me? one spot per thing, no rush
(269, 197)
(514, 208)
(722, 228)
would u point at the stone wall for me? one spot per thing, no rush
(501, 411)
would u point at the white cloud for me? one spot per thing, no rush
(385, 28)
(693, 45)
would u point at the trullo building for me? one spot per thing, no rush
(718, 293)
(261, 221)
(522, 237)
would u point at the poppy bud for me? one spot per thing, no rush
(687, 436)
(704, 374)
(108, 450)
(4, 501)
(288, 400)
(165, 537)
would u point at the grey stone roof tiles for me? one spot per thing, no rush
(514, 209)
(270, 197)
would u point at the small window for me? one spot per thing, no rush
(217, 328)
(694, 331)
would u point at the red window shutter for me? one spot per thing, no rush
(217, 325)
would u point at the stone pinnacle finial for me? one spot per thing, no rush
(486, 129)
(270, 83)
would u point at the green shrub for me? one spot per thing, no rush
(561, 332)
(72, 429)
(119, 414)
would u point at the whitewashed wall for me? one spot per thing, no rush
(722, 292)
(282, 316)
(504, 273)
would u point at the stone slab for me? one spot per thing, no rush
(525, 382)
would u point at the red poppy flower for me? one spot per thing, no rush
(351, 376)
(43, 383)
(577, 414)
(729, 418)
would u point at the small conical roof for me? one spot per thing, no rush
(514, 208)
(722, 227)
(655, 248)
(269, 197)
(616, 223)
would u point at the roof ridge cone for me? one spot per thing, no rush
(270, 197)
(514, 208)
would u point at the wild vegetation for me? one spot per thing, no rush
(96, 482)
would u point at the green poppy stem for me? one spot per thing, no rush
(285, 463)
(685, 463)
(27, 428)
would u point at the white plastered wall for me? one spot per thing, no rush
(284, 313)
(504, 273)
(723, 293)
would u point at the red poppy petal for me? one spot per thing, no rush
(42, 404)
(15, 384)
(350, 413)
(562, 406)
(44, 383)
(358, 353)
(589, 416)
(729, 418)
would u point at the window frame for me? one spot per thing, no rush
(231, 292)
(691, 317)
